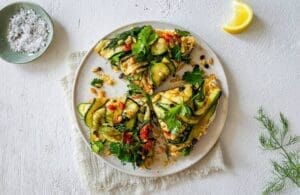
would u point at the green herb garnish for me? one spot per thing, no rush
(171, 120)
(123, 36)
(186, 58)
(115, 59)
(186, 151)
(199, 96)
(276, 138)
(199, 92)
(141, 49)
(134, 89)
(178, 56)
(182, 33)
(97, 82)
(97, 146)
(120, 127)
(126, 152)
(196, 77)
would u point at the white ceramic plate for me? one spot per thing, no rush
(81, 94)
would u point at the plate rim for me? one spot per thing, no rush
(75, 81)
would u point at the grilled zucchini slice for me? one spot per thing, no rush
(131, 123)
(159, 47)
(212, 99)
(111, 134)
(131, 108)
(83, 108)
(212, 93)
(170, 65)
(96, 104)
(192, 120)
(99, 118)
(159, 72)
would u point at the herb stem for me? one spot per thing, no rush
(292, 163)
(280, 146)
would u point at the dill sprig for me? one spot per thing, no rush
(276, 137)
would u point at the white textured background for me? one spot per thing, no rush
(262, 66)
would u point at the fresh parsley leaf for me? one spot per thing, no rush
(115, 148)
(196, 77)
(141, 48)
(173, 124)
(171, 120)
(98, 83)
(123, 36)
(182, 33)
(176, 54)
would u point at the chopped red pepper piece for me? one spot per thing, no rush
(168, 37)
(148, 146)
(144, 132)
(127, 47)
(167, 133)
(111, 107)
(121, 105)
(127, 137)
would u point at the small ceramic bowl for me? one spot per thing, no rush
(6, 53)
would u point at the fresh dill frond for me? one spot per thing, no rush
(276, 138)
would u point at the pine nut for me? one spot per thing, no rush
(101, 93)
(93, 91)
(96, 69)
(210, 61)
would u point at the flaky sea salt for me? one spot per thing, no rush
(27, 32)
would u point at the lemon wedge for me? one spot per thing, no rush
(241, 19)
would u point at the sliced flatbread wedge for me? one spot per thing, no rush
(184, 115)
(147, 56)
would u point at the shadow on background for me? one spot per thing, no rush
(229, 129)
(254, 32)
(54, 55)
